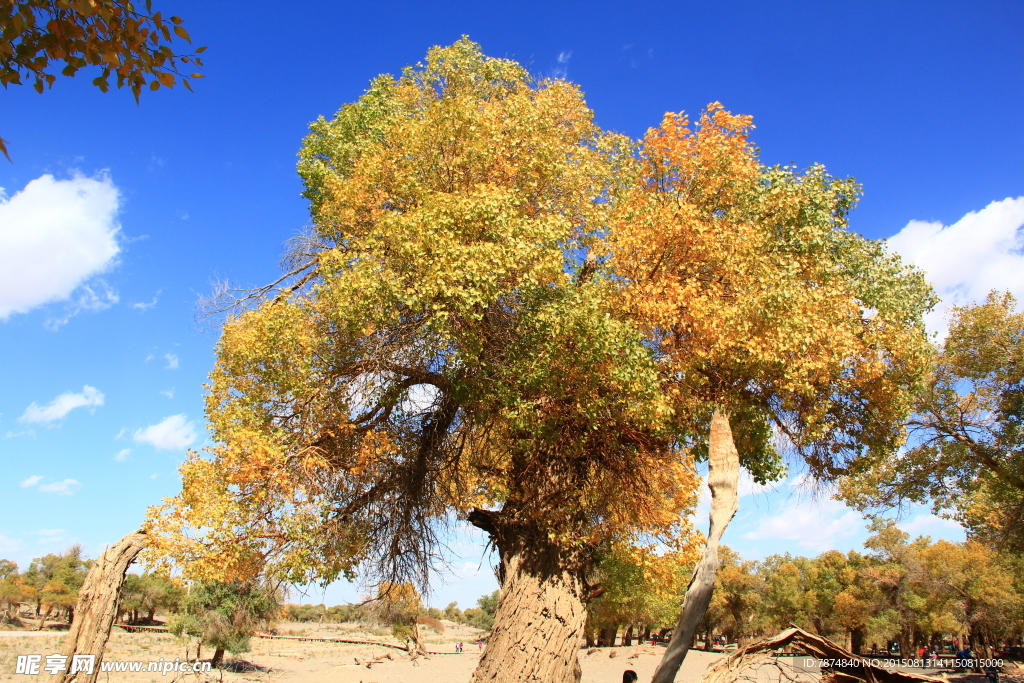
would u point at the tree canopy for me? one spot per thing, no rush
(223, 615)
(442, 349)
(762, 303)
(966, 454)
(130, 45)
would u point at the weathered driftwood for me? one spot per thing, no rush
(376, 660)
(97, 607)
(849, 667)
(723, 479)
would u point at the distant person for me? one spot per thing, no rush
(629, 676)
(992, 673)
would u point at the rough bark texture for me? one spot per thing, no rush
(541, 612)
(97, 606)
(723, 479)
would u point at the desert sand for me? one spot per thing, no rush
(300, 661)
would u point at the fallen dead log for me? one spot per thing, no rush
(376, 660)
(841, 665)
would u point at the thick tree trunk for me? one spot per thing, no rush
(723, 479)
(627, 637)
(218, 658)
(607, 637)
(857, 640)
(97, 607)
(541, 612)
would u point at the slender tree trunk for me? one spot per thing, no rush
(97, 607)
(541, 612)
(723, 479)
(417, 641)
(627, 636)
(42, 619)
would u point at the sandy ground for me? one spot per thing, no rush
(296, 661)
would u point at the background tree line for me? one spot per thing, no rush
(218, 615)
(481, 616)
(912, 593)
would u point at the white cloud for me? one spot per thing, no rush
(934, 526)
(420, 397)
(49, 532)
(169, 393)
(31, 481)
(174, 433)
(816, 525)
(141, 306)
(982, 251)
(61, 488)
(91, 298)
(9, 545)
(90, 397)
(172, 361)
(562, 70)
(49, 536)
(749, 487)
(54, 236)
(123, 454)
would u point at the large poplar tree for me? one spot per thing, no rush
(504, 315)
(444, 348)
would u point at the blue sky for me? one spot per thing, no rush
(117, 217)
